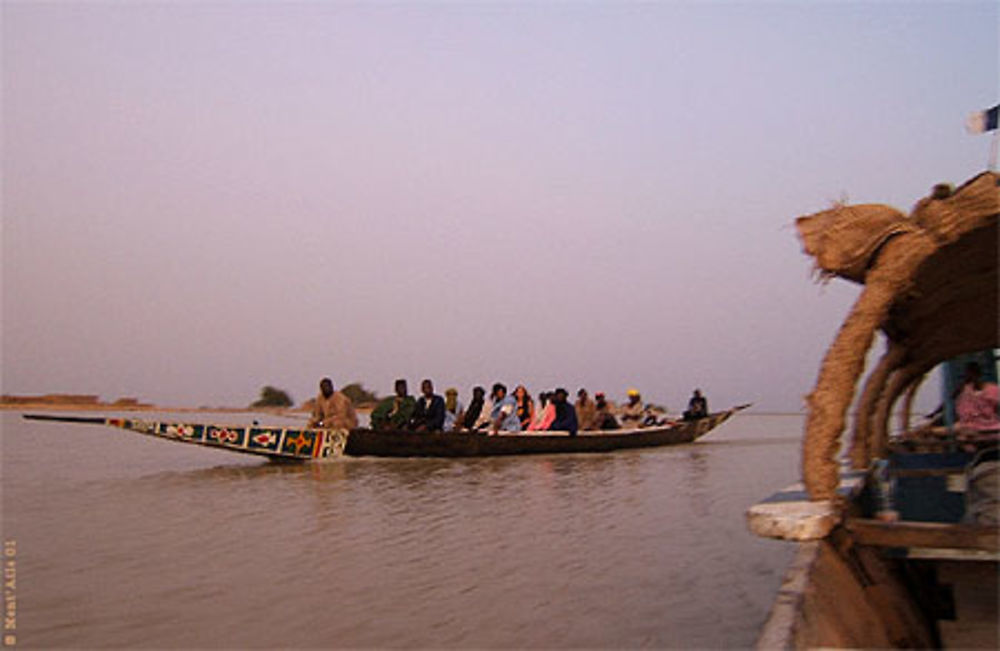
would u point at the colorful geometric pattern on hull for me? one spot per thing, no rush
(278, 443)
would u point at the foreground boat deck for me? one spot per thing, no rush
(974, 589)
(927, 580)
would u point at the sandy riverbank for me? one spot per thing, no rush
(110, 406)
(49, 404)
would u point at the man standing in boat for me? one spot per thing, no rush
(332, 410)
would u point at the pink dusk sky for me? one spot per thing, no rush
(201, 198)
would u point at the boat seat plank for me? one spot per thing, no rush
(877, 533)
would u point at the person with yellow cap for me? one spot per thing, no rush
(454, 410)
(633, 411)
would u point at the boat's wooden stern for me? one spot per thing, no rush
(907, 556)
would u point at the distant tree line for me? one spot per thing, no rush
(358, 394)
(274, 397)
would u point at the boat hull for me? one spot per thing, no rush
(837, 594)
(479, 444)
(291, 444)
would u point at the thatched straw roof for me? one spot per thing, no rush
(930, 285)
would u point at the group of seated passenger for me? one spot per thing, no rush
(499, 412)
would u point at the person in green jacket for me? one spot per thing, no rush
(394, 412)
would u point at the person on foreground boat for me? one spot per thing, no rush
(976, 402)
(525, 406)
(565, 420)
(545, 413)
(633, 413)
(394, 412)
(428, 414)
(697, 406)
(586, 410)
(332, 409)
(454, 410)
(503, 415)
(604, 413)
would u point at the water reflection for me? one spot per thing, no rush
(129, 541)
(697, 482)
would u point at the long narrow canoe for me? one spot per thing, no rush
(305, 444)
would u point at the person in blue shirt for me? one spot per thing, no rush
(697, 407)
(504, 413)
(428, 414)
(565, 413)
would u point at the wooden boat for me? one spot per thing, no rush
(298, 444)
(898, 541)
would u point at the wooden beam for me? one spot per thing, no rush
(928, 472)
(877, 533)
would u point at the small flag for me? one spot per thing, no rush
(983, 121)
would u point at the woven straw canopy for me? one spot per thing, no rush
(930, 284)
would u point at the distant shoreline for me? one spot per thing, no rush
(89, 403)
(110, 406)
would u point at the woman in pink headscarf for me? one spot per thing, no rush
(976, 403)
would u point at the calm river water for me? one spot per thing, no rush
(126, 541)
